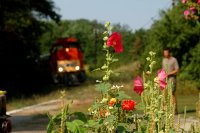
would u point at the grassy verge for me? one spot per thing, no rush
(186, 94)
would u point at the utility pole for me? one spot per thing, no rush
(95, 46)
(173, 3)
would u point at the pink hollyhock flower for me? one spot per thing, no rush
(115, 40)
(162, 77)
(193, 10)
(128, 105)
(198, 2)
(186, 13)
(184, 1)
(138, 85)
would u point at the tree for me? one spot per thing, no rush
(181, 35)
(20, 28)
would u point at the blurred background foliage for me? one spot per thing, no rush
(28, 31)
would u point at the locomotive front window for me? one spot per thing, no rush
(56, 48)
(75, 45)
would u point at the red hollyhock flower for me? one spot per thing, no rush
(138, 85)
(128, 105)
(162, 77)
(115, 41)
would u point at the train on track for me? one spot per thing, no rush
(66, 61)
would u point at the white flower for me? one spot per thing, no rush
(107, 113)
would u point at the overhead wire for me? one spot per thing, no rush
(166, 6)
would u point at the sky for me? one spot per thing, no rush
(134, 13)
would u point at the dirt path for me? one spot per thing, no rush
(33, 119)
(27, 120)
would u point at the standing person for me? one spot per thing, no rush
(170, 65)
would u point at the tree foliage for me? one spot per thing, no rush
(20, 28)
(181, 35)
(89, 33)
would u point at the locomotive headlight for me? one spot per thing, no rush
(77, 68)
(60, 69)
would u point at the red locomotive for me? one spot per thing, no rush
(66, 61)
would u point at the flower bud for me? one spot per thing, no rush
(105, 32)
(104, 67)
(148, 73)
(153, 62)
(105, 46)
(105, 38)
(148, 59)
(110, 107)
(105, 78)
(107, 24)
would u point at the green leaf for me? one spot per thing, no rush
(172, 131)
(110, 119)
(76, 126)
(123, 127)
(96, 106)
(50, 126)
(81, 116)
(78, 122)
(91, 123)
(103, 87)
(122, 95)
(140, 106)
(71, 126)
(116, 74)
(118, 105)
(101, 121)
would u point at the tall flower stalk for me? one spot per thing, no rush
(111, 112)
(156, 97)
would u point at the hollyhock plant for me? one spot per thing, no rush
(138, 85)
(192, 11)
(115, 41)
(162, 77)
(111, 112)
(128, 105)
(111, 95)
